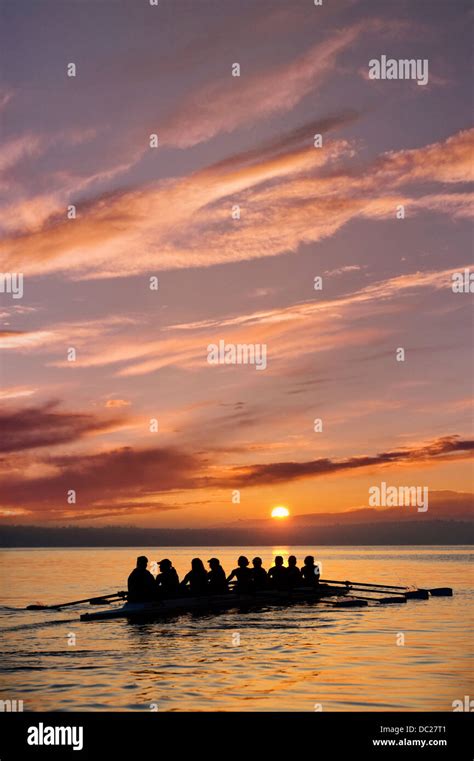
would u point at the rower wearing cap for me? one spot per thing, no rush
(243, 574)
(141, 584)
(167, 581)
(216, 581)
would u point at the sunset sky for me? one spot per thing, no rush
(305, 212)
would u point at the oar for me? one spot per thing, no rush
(380, 600)
(347, 602)
(352, 601)
(91, 600)
(412, 594)
(436, 592)
(384, 600)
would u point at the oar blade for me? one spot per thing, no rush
(417, 594)
(350, 602)
(391, 600)
(441, 592)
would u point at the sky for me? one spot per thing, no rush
(110, 409)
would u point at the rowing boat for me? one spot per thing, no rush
(347, 594)
(228, 601)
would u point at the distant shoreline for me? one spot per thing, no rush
(413, 532)
(223, 546)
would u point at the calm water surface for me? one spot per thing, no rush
(288, 658)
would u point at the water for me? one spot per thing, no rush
(296, 658)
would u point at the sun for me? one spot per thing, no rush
(280, 512)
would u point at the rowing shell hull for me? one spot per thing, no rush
(215, 602)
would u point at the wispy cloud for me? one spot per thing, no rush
(283, 472)
(240, 101)
(24, 147)
(62, 336)
(46, 426)
(106, 342)
(289, 199)
(16, 392)
(378, 291)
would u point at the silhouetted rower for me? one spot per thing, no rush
(259, 575)
(243, 574)
(196, 578)
(167, 581)
(216, 581)
(278, 574)
(293, 573)
(310, 572)
(141, 584)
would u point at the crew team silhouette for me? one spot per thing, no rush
(244, 579)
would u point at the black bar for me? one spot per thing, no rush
(304, 735)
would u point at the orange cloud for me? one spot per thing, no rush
(64, 335)
(15, 392)
(450, 161)
(287, 199)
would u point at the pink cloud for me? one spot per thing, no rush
(300, 196)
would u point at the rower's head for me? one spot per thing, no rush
(197, 565)
(292, 561)
(278, 560)
(165, 565)
(214, 563)
(142, 561)
(309, 560)
(257, 562)
(243, 562)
